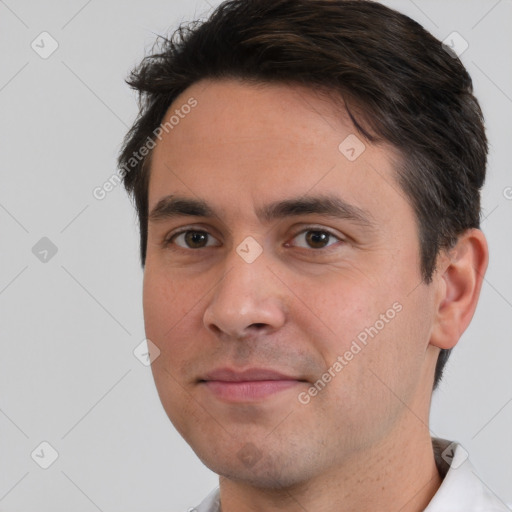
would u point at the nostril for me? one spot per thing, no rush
(258, 325)
(215, 329)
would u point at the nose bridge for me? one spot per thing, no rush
(246, 295)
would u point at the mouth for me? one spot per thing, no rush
(249, 385)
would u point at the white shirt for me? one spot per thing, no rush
(461, 490)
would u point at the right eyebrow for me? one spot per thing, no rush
(171, 206)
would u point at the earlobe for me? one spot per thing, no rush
(460, 278)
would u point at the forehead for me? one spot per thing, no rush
(244, 142)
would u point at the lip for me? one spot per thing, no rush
(251, 374)
(249, 385)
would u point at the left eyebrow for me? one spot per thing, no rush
(327, 205)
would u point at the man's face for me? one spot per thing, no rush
(269, 279)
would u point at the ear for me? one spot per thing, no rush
(460, 274)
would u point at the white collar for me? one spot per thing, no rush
(462, 490)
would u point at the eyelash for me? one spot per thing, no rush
(169, 240)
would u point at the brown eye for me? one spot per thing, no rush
(315, 239)
(192, 239)
(196, 239)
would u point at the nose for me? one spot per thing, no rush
(247, 301)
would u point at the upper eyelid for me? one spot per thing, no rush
(168, 238)
(318, 228)
(184, 229)
(314, 227)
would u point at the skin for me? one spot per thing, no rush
(362, 443)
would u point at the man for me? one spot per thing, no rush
(307, 176)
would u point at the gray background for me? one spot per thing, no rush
(69, 325)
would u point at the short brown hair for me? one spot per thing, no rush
(406, 87)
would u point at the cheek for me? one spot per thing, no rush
(336, 311)
(368, 324)
(168, 317)
(170, 308)
(388, 367)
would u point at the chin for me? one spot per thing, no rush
(265, 471)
